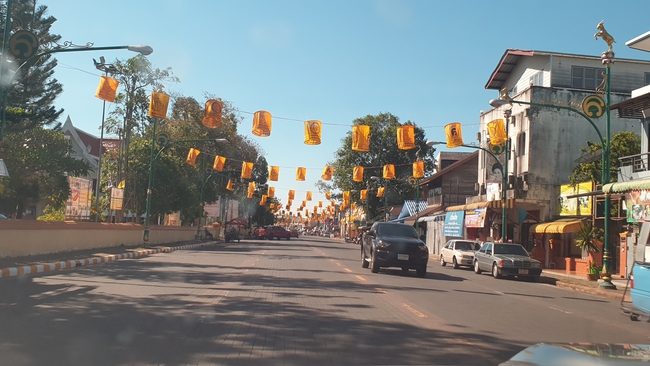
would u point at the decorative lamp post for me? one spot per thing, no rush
(163, 140)
(593, 106)
(106, 68)
(504, 180)
(24, 45)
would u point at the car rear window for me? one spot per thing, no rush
(397, 230)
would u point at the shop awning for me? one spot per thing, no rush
(630, 185)
(429, 210)
(510, 203)
(557, 227)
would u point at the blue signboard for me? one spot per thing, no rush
(454, 224)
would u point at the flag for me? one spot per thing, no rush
(121, 185)
(522, 215)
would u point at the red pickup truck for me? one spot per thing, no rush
(271, 232)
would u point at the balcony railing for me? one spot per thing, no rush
(638, 162)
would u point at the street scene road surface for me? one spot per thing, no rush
(306, 301)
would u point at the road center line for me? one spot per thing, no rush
(419, 314)
(360, 278)
(381, 290)
(347, 270)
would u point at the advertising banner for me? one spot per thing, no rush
(475, 218)
(575, 206)
(637, 204)
(454, 224)
(117, 197)
(78, 205)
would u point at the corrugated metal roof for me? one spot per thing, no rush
(632, 108)
(627, 186)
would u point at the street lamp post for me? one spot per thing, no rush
(106, 68)
(377, 179)
(162, 140)
(504, 182)
(607, 58)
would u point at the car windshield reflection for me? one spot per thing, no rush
(397, 230)
(510, 249)
(466, 246)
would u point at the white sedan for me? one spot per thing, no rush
(459, 253)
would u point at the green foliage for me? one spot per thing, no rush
(383, 150)
(31, 94)
(38, 161)
(584, 238)
(624, 143)
(50, 213)
(594, 268)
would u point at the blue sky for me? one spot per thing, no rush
(423, 61)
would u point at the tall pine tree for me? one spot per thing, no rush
(31, 93)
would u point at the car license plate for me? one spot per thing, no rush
(403, 257)
(523, 271)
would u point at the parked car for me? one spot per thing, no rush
(506, 259)
(3, 217)
(294, 232)
(459, 253)
(272, 232)
(390, 244)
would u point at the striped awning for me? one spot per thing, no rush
(629, 185)
(557, 227)
(510, 203)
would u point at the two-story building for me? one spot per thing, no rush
(451, 185)
(546, 142)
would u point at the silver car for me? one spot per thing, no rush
(506, 259)
(459, 253)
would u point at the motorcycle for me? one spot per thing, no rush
(232, 236)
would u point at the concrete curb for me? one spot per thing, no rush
(45, 267)
(614, 295)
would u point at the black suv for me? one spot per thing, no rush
(389, 244)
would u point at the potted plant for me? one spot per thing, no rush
(594, 271)
(586, 239)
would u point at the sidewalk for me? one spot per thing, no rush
(18, 266)
(581, 284)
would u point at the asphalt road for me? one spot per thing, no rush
(297, 302)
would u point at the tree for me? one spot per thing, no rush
(624, 143)
(31, 94)
(39, 161)
(383, 150)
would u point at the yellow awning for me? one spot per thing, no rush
(557, 227)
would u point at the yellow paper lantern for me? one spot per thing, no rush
(191, 156)
(389, 171)
(263, 200)
(229, 185)
(313, 130)
(308, 196)
(290, 202)
(292, 194)
(274, 173)
(406, 137)
(346, 197)
(251, 189)
(497, 131)
(418, 169)
(107, 88)
(219, 163)
(363, 194)
(320, 203)
(454, 134)
(246, 170)
(332, 203)
(271, 192)
(158, 105)
(303, 204)
(357, 174)
(361, 138)
(380, 192)
(328, 171)
(353, 206)
(262, 124)
(328, 195)
(213, 110)
(301, 173)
